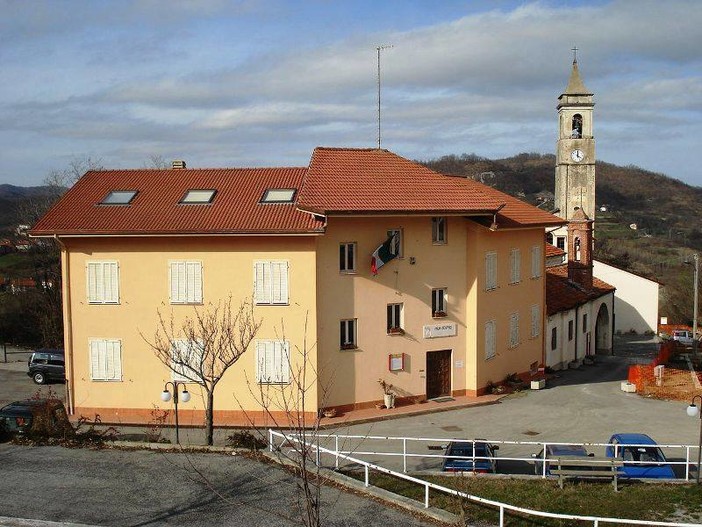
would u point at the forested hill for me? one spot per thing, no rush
(657, 204)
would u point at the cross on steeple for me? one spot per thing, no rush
(575, 54)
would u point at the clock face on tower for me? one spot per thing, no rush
(577, 155)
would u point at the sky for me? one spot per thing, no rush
(238, 83)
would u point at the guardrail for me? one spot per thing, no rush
(404, 450)
(501, 507)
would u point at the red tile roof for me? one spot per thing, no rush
(155, 208)
(369, 180)
(562, 294)
(338, 181)
(552, 250)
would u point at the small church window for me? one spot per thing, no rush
(560, 242)
(576, 244)
(549, 238)
(577, 127)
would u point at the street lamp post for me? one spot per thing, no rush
(693, 411)
(694, 314)
(184, 396)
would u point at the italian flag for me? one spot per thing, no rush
(383, 254)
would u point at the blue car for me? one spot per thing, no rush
(464, 449)
(649, 461)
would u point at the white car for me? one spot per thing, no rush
(683, 337)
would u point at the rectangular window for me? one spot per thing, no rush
(272, 362)
(438, 303)
(490, 271)
(103, 282)
(186, 282)
(536, 261)
(560, 242)
(535, 320)
(396, 247)
(438, 230)
(489, 339)
(554, 338)
(347, 257)
(515, 263)
(514, 330)
(347, 334)
(584, 322)
(271, 283)
(394, 318)
(186, 361)
(105, 359)
(570, 330)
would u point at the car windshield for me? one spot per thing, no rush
(643, 454)
(566, 450)
(466, 449)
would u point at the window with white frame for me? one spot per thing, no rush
(515, 264)
(490, 271)
(535, 320)
(536, 261)
(397, 244)
(186, 360)
(438, 230)
(102, 282)
(271, 282)
(560, 242)
(347, 257)
(490, 350)
(394, 318)
(272, 362)
(347, 333)
(185, 282)
(105, 359)
(514, 330)
(438, 303)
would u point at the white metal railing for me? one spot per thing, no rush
(403, 443)
(501, 507)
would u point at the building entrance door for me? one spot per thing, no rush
(438, 374)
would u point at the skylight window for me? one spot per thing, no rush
(119, 197)
(278, 195)
(195, 196)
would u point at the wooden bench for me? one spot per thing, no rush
(587, 467)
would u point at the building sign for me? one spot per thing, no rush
(434, 331)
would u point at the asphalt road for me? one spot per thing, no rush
(139, 488)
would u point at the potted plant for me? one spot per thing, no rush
(329, 412)
(396, 331)
(388, 394)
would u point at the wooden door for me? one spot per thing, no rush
(438, 374)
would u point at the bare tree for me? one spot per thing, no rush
(205, 345)
(286, 406)
(156, 161)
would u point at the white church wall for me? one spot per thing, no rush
(564, 352)
(636, 299)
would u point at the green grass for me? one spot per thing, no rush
(635, 500)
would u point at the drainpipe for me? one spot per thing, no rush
(575, 330)
(67, 323)
(611, 333)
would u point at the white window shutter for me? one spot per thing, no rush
(112, 282)
(262, 282)
(92, 271)
(515, 265)
(282, 362)
(280, 282)
(490, 270)
(260, 361)
(95, 360)
(535, 320)
(489, 339)
(536, 261)
(197, 282)
(117, 360)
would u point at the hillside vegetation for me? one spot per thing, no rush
(665, 211)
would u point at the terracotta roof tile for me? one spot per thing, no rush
(155, 208)
(369, 180)
(562, 294)
(552, 250)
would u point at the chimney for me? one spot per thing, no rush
(178, 164)
(580, 248)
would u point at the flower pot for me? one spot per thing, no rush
(330, 413)
(389, 400)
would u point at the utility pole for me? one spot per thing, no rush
(379, 49)
(696, 257)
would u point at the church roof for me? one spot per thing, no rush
(575, 84)
(563, 294)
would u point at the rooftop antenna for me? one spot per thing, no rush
(379, 49)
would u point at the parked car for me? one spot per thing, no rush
(649, 461)
(683, 337)
(463, 449)
(34, 415)
(47, 365)
(554, 451)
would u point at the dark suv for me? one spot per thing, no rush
(47, 365)
(34, 416)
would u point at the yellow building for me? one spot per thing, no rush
(459, 304)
